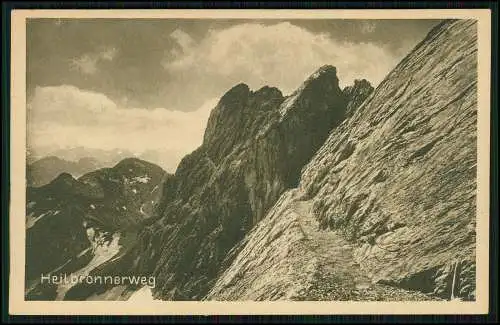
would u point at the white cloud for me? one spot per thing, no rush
(88, 62)
(182, 38)
(281, 55)
(108, 54)
(65, 117)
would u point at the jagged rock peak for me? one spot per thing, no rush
(324, 79)
(239, 114)
(359, 86)
(325, 73)
(269, 92)
(240, 90)
(322, 85)
(324, 70)
(360, 83)
(357, 94)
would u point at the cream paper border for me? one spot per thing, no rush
(17, 304)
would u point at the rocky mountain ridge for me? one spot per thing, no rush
(255, 145)
(393, 187)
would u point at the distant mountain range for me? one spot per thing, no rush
(80, 160)
(43, 171)
(110, 157)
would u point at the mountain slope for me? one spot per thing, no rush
(254, 147)
(68, 220)
(387, 205)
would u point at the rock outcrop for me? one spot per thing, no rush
(386, 207)
(254, 147)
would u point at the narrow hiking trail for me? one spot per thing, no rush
(337, 275)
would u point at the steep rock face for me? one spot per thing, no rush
(388, 204)
(254, 147)
(69, 216)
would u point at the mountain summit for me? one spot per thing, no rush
(255, 145)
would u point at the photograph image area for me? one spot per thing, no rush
(230, 159)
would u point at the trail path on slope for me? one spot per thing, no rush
(338, 276)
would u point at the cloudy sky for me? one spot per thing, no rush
(148, 85)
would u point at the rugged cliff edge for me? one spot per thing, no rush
(254, 148)
(386, 208)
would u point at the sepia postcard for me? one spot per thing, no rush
(199, 162)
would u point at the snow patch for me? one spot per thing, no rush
(102, 253)
(143, 294)
(90, 234)
(82, 253)
(141, 210)
(141, 179)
